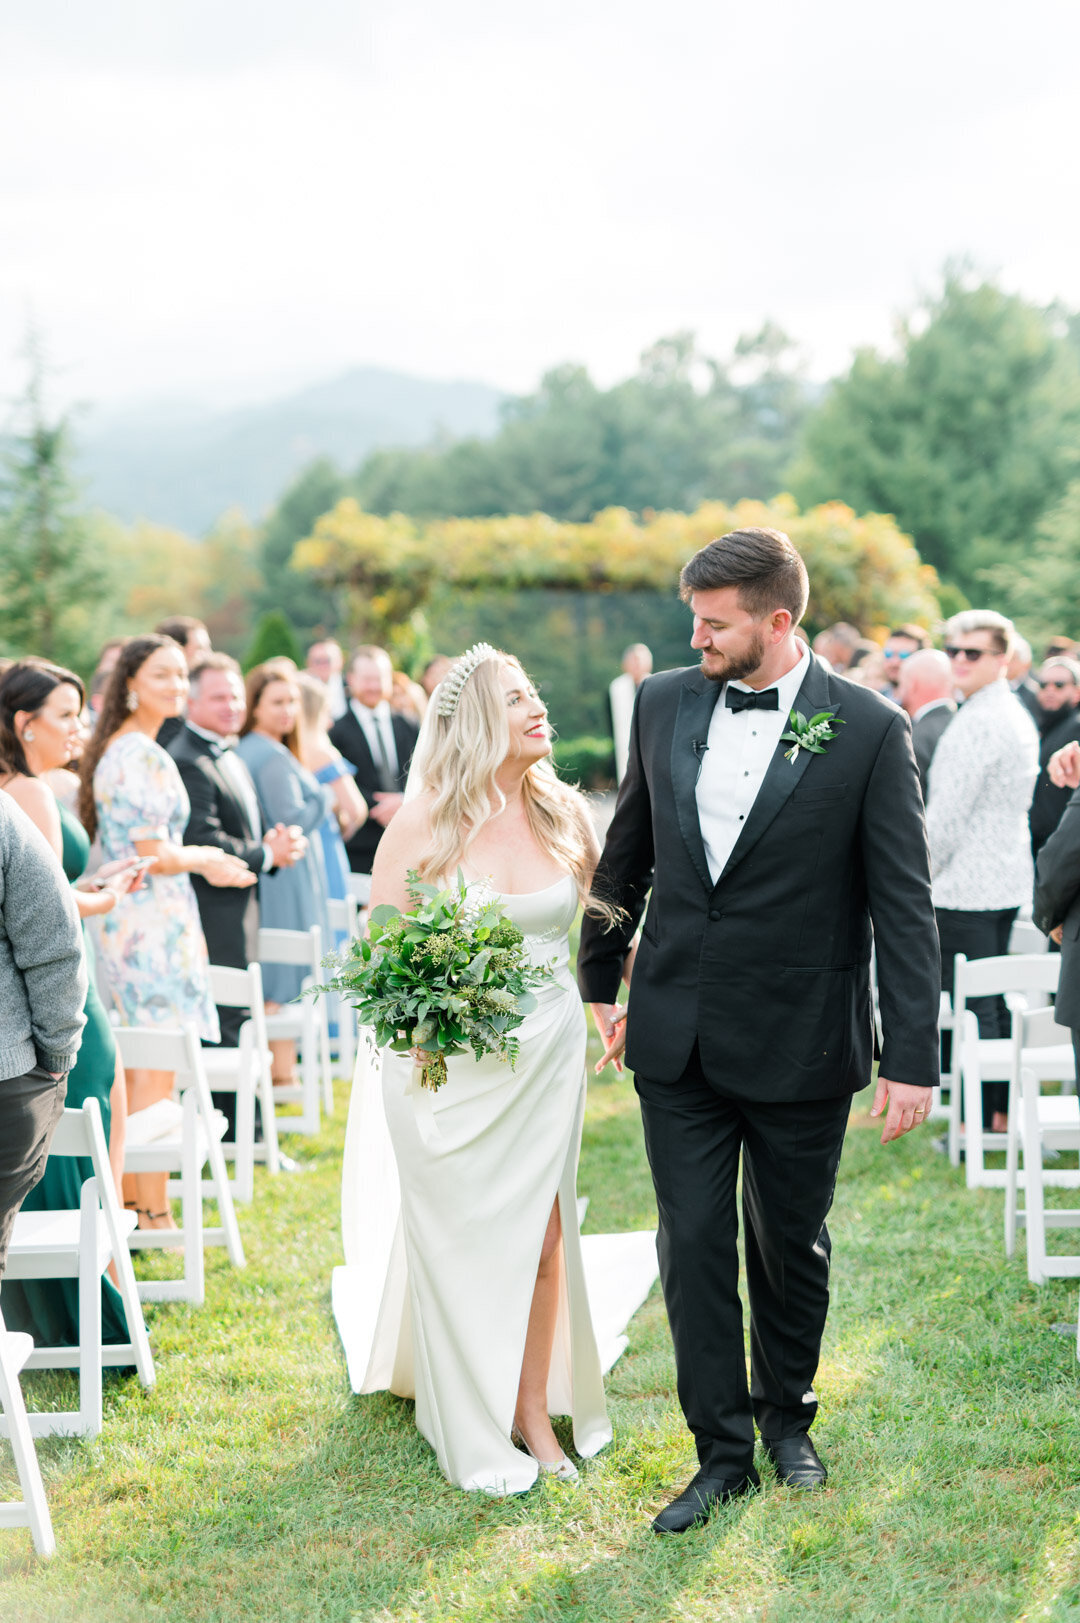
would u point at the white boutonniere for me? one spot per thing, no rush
(811, 736)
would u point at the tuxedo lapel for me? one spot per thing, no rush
(697, 700)
(783, 776)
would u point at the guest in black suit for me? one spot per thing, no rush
(926, 693)
(225, 813)
(750, 1022)
(1057, 891)
(1058, 721)
(379, 744)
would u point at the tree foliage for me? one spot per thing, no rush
(274, 637)
(861, 569)
(314, 491)
(51, 580)
(966, 435)
(1042, 589)
(684, 428)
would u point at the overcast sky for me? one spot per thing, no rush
(226, 197)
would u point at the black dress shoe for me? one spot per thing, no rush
(695, 1504)
(796, 1460)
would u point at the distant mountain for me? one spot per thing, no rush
(182, 466)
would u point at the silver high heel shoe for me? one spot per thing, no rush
(563, 1470)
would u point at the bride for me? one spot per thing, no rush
(482, 1311)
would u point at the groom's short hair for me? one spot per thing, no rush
(762, 564)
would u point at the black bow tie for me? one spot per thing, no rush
(741, 699)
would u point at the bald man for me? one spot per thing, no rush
(925, 691)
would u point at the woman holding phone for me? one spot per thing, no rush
(40, 732)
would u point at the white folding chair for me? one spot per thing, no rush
(345, 916)
(359, 885)
(181, 1151)
(303, 1021)
(1026, 937)
(32, 1510)
(245, 1071)
(1023, 979)
(1041, 1121)
(80, 1244)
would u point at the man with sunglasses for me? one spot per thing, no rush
(980, 787)
(900, 644)
(1058, 722)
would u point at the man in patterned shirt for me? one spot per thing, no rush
(980, 785)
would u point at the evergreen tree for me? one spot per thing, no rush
(51, 582)
(274, 637)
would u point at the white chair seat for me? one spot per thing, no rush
(1041, 1121)
(182, 1154)
(45, 1245)
(80, 1245)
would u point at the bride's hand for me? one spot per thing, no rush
(610, 1021)
(422, 1056)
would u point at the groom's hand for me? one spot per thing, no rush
(908, 1106)
(610, 1021)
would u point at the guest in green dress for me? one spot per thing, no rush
(40, 731)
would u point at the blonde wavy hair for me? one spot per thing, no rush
(463, 754)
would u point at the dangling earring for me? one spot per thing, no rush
(28, 736)
(132, 701)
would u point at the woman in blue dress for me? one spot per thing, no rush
(291, 898)
(331, 769)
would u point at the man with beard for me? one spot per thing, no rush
(770, 811)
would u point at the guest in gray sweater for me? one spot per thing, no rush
(42, 992)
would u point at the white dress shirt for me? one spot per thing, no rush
(374, 722)
(741, 745)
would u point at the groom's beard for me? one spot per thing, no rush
(734, 667)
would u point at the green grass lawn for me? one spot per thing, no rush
(249, 1484)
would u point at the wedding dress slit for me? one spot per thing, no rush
(442, 1253)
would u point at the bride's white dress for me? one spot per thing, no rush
(434, 1300)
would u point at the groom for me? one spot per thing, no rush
(750, 1022)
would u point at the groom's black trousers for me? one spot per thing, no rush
(790, 1155)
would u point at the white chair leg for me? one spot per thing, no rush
(33, 1510)
(325, 1067)
(244, 1164)
(1034, 1210)
(971, 1088)
(271, 1147)
(191, 1204)
(90, 1350)
(1012, 1149)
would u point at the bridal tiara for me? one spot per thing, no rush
(453, 683)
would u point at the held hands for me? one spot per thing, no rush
(908, 1106)
(225, 871)
(287, 844)
(1064, 766)
(610, 1021)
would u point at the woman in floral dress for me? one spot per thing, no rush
(153, 953)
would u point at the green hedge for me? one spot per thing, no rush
(589, 761)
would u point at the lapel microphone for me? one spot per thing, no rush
(699, 747)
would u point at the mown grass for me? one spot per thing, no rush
(250, 1485)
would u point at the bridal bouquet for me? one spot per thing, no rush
(451, 973)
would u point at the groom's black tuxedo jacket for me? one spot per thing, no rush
(769, 968)
(218, 817)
